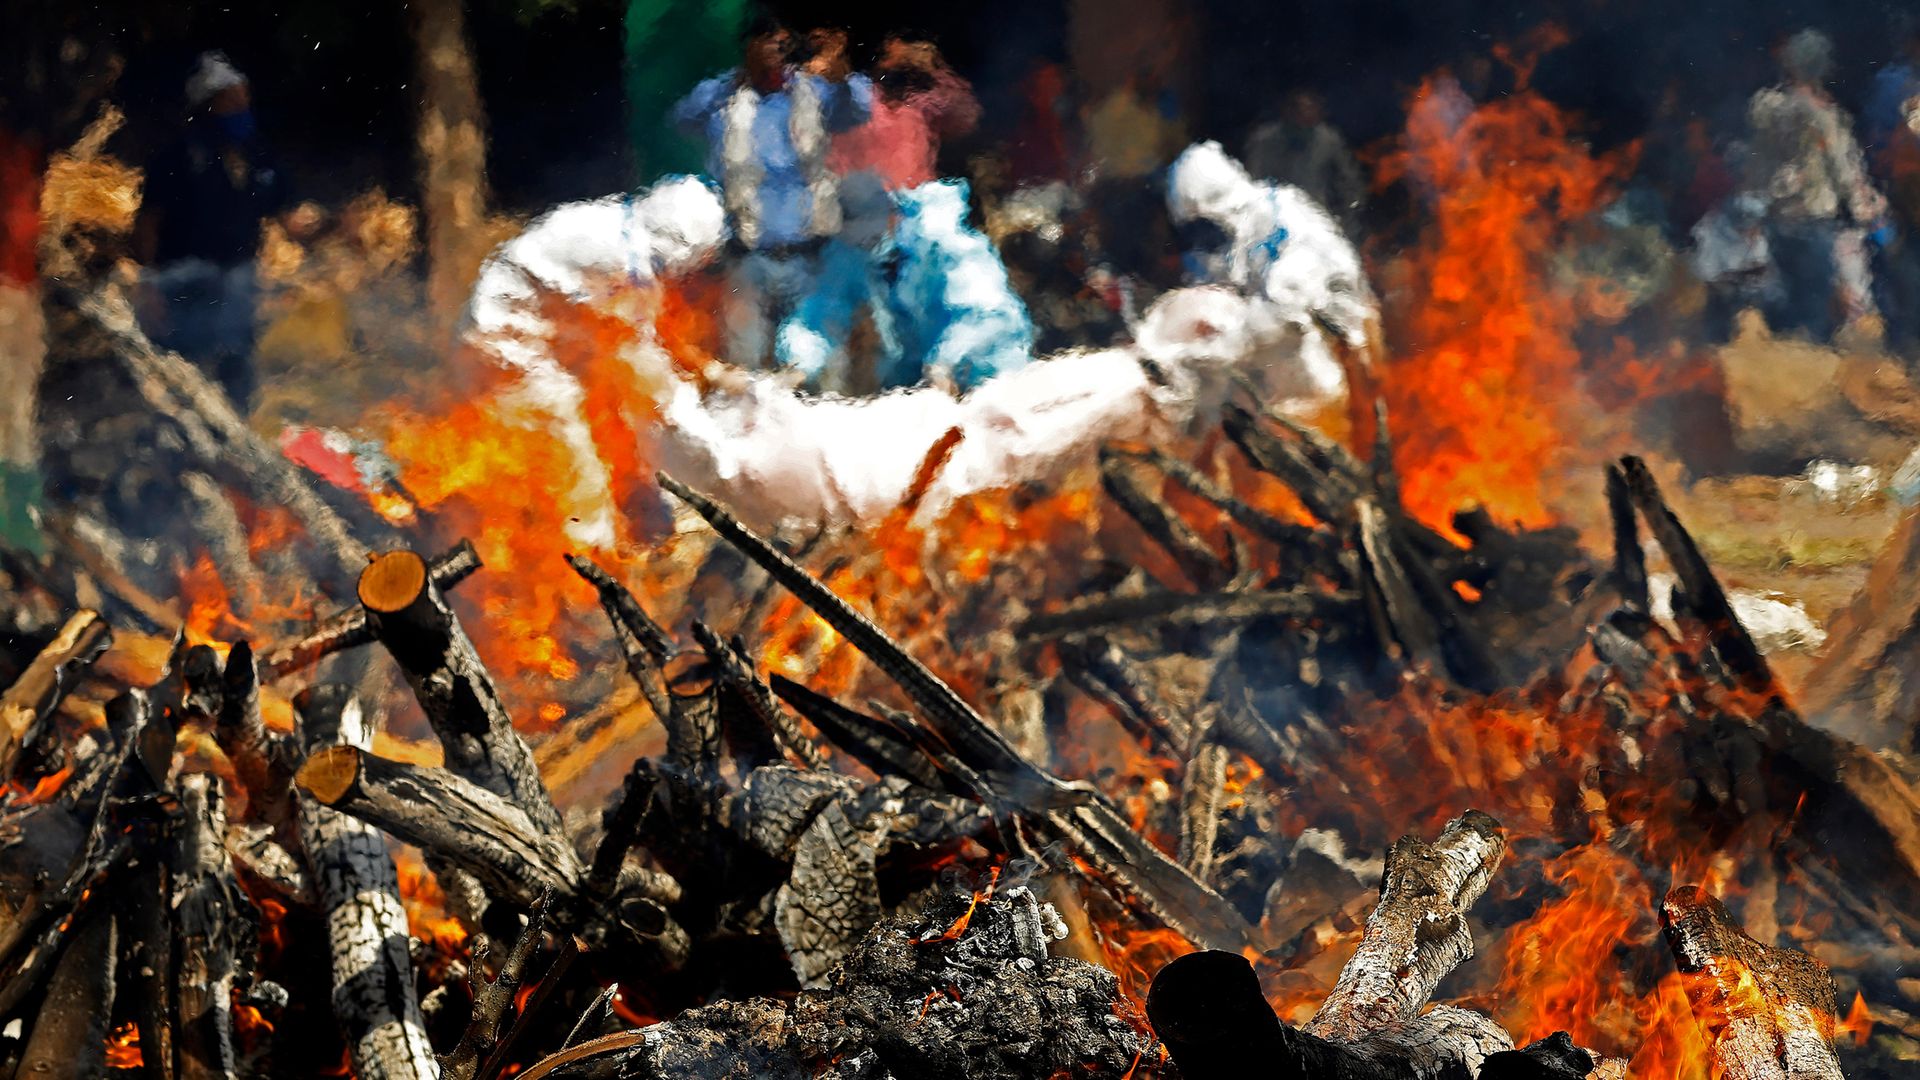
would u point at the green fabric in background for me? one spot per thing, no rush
(20, 495)
(670, 46)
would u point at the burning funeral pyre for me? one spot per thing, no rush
(1238, 751)
(1151, 832)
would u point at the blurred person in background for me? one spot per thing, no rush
(1819, 206)
(768, 126)
(199, 229)
(1300, 148)
(942, 307)
(918, 101)
(1892, 123)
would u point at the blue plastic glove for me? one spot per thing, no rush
(1882, 235)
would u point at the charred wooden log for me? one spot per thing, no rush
(263, 760)
(1107, 614)
(964, 989)
(1208, 1009)
(950, 716)
(1629, 561)
(1767, 1012)
(411, 618)
(1126, 483)
(26, 706)
(447, 816)
(1705, 601)
(31, 939)
(1307, 545)
(1099, 667)
(373, 993)
(213, 933)
(348, 628)
(142, 891)
(1552, 1058)
(1070, 810)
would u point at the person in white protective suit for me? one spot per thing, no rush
(774, 455)
(1300, 279)
(608, 251)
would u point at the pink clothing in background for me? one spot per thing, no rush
(901, 141)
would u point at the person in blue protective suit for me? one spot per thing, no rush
(942, 306)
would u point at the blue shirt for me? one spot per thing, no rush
(784, 199)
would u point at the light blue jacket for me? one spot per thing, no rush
(940, 299)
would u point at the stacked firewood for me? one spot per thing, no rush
(779, 863)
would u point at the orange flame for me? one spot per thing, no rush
(1480, 400)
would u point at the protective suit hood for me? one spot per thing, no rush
(685, 221)
(1205, 183)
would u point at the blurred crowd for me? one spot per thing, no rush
(1804, 211)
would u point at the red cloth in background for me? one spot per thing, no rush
(19, 208)
(901, 140)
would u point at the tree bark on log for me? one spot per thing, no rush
(446, 815)
(373, 991)
(1209, 1010)
(644, 646)
(1418, 932)
(348, 628)
(27, 704)
(68, 1040)
(1768, 1012)
(411, 618)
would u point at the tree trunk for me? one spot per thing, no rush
(453, 155)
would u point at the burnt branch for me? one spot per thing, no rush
(348, 628)
(493, 999)
(1706, 601)
(263, 761)
(68, 1040)
(951, 717)
(213, 933)
(1121, 612)
(645, 646)
(1629, 561)
(26, 705)
(1126, 482)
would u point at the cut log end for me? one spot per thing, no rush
(392, 581)
(330, 773)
